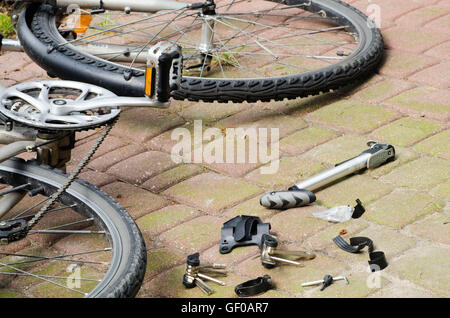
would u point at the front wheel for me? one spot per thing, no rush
(87, 245)
(257, 50)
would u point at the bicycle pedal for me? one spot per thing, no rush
(164, 70)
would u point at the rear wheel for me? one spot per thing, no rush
(87, 245)
(271, 50)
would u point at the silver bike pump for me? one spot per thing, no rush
(301, 193)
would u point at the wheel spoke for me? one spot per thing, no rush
(71, 223)
(29, 209)
(51, 276)
(65, 232)
(49, 211)
(274, 32)
(21, 187)
(61, 258)
(41, 278)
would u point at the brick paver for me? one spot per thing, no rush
(180, 208)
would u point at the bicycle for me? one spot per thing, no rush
(43, 117)
(152, 73)
(56, 230)
(272, 50)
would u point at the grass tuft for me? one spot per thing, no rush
(6, 28)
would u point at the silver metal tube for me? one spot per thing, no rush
(14, 149)
(296, 253)
(17, 134)
(333, 174)
(206, 43)
(283, 260)
(11, 45)
(9, 200)
(114, 52)
(133, 5)
(203, 286)
(211, 279)
(316, 282)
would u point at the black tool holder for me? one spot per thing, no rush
(242, 230)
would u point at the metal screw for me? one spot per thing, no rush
(59, 102)
(318, 282)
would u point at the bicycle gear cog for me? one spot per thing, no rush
(58, 105)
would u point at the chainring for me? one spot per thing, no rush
(57, 105)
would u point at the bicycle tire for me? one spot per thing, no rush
(40, 38)
(125, 276)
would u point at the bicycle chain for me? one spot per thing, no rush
(54, 197)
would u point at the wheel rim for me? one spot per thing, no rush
(88, 287)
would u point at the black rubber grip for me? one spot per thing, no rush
(291, 198)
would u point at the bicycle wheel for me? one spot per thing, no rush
(87, 245)
(271, 50)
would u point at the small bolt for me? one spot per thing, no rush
(59, 102)
(342, 53)
(127, 10)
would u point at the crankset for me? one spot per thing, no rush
(59, 105)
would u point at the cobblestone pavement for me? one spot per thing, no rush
(180, 208)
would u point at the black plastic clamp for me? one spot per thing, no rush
(242, 230)
(359, 209)
(359, 242)
(377, 260)
(254, 287)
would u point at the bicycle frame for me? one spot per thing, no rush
(16, 140)
(131, 5)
